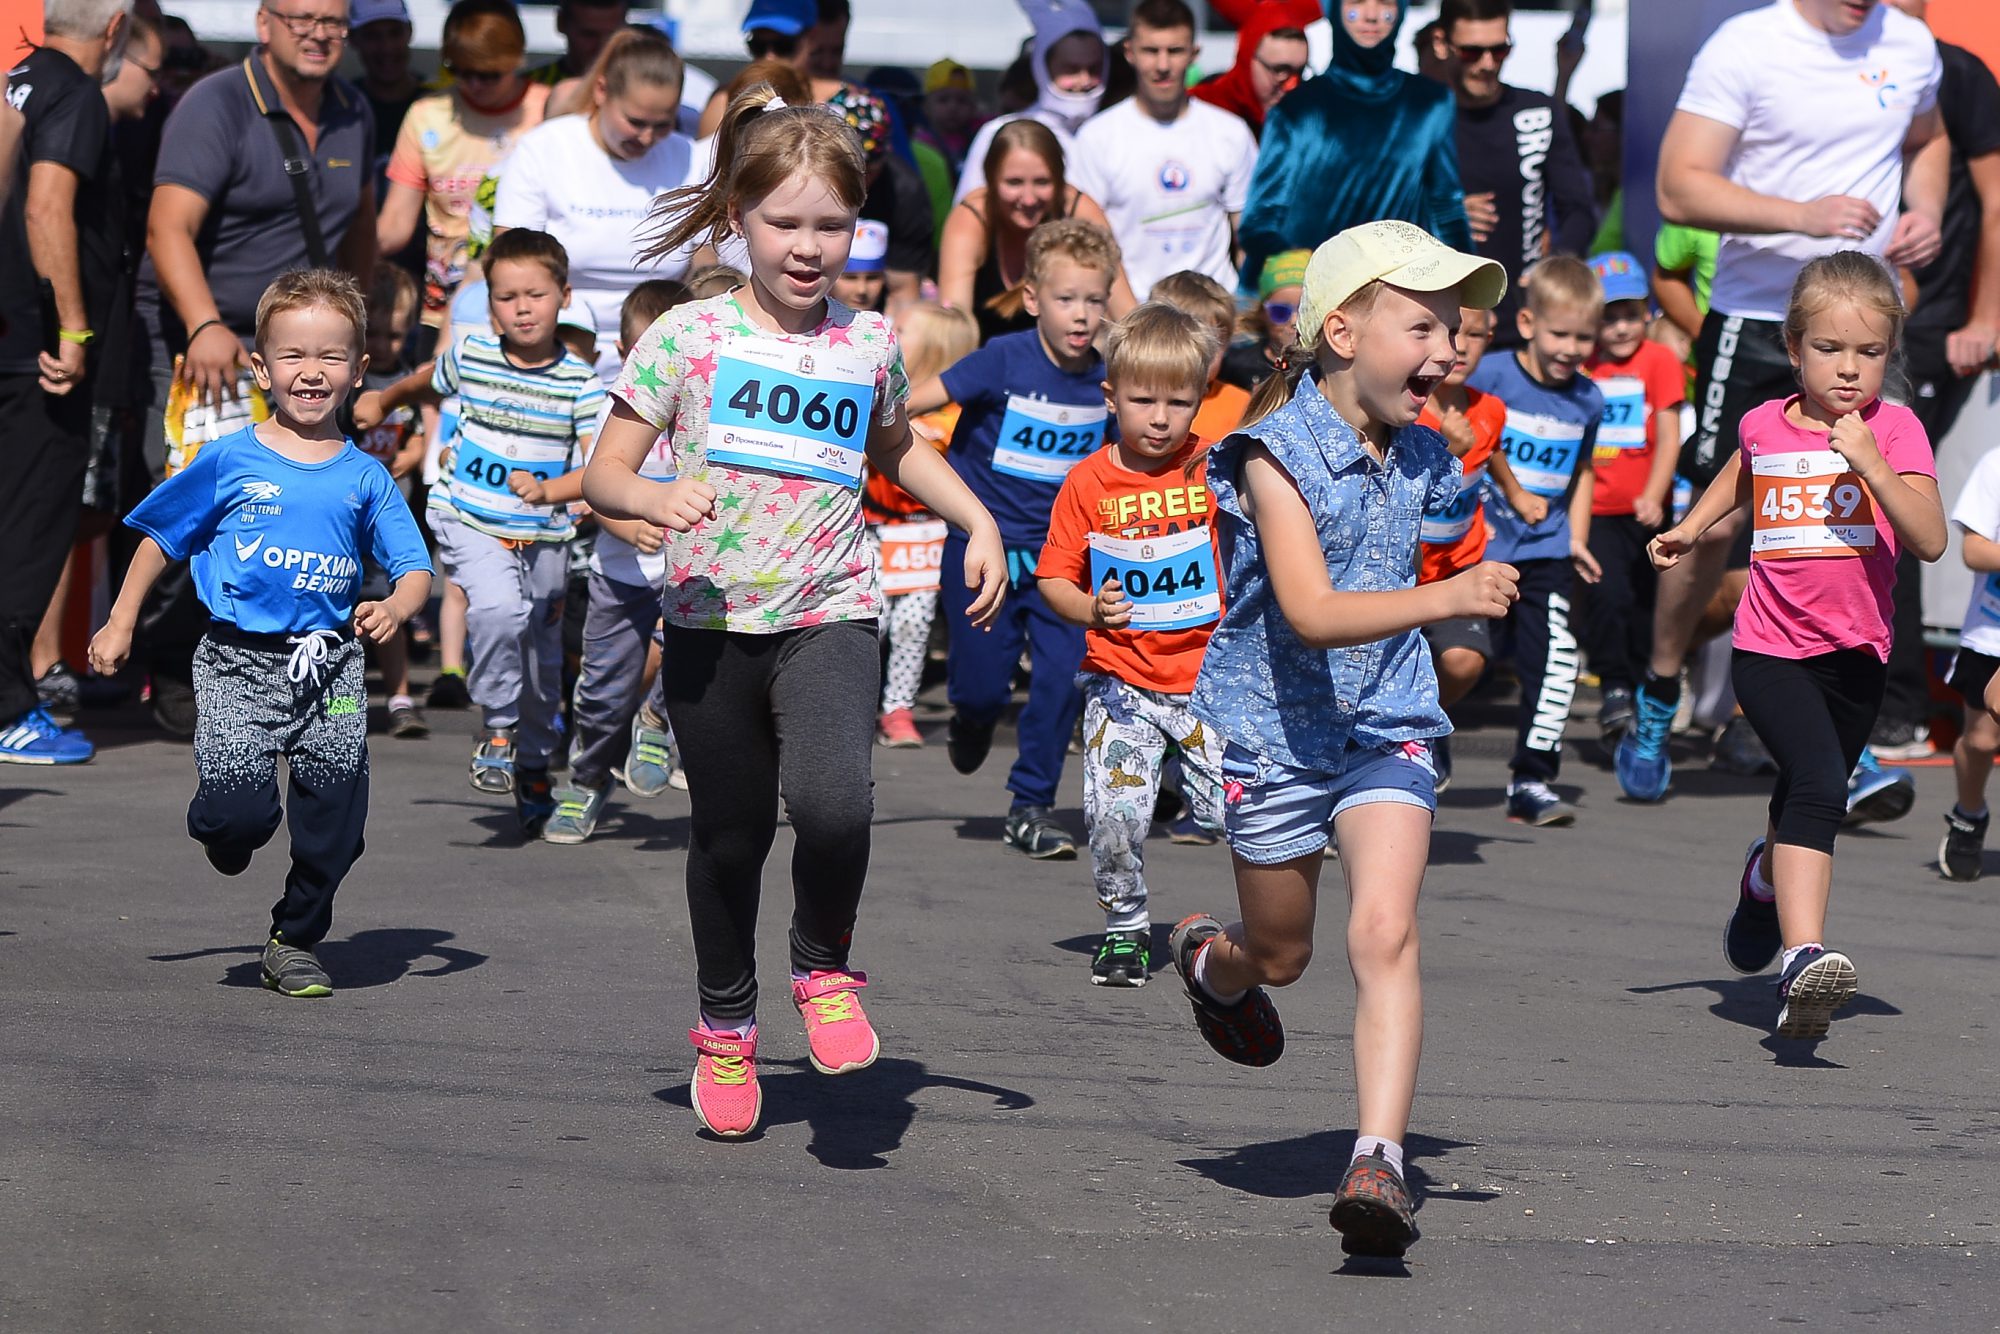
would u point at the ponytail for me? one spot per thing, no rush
(1276, 391)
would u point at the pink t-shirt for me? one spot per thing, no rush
(1807, 605)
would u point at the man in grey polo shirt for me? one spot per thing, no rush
(225, 221)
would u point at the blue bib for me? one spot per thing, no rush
(1542, 451)
(1624, 424)
(803, 411)
(1453, 520)
(1042, 441)
(1171, 580)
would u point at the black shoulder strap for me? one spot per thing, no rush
(298, 168)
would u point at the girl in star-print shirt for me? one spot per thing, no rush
(772, 399)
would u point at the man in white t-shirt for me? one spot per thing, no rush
(1800, 130)
(1172, 174)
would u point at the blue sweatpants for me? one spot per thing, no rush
(980, 672)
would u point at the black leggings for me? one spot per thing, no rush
(1814, 715)
(759, 716)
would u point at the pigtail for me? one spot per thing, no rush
(697, 215)
(1276, 390)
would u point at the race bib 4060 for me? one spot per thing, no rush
(1809, 503)
(791, 409)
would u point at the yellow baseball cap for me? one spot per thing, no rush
(1400, 254)
(948, 74)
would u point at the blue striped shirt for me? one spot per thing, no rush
(538, 419)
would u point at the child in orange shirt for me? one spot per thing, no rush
(909, 539)
(1638, 443)
(1206, 299)
(1132, 523)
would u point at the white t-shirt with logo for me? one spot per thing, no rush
(1816, 115)
(1978, 511)
(1167, 188)
(559, 181)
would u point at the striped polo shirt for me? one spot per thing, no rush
(538, 420)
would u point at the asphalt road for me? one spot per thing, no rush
(487, 1127)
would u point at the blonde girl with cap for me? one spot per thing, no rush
(1323, 687)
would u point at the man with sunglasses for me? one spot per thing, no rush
(1527, 190)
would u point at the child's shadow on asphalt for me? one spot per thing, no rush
(1753, 1003)
(365, 959)
(1308, 1165)
(857, 1120)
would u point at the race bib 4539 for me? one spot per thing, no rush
(1809, 503)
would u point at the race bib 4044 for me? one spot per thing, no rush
(1170, 580)
(1809, 503)
(1542, 451)
(1042, 441)
(791, 409)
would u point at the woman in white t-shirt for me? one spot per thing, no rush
(590, 180)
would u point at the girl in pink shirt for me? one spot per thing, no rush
(1837, 481)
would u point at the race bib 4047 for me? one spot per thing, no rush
(1542, 451)
(791, 409)
(1809, 503)
(1042, 441)
(1170, 580)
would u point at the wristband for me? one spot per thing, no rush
(198, 329)
(81, 337)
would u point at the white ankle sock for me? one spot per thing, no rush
(1795, 951)
(1201, 980)
(1367, 1144)
(745, 1027)
(1761, 889)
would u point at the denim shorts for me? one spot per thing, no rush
(1274, 813)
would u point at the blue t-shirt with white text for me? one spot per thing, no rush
(276, 545)
(1550, 435)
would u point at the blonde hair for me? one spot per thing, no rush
(635, 55)
(1563, 282)
(1845, 275)
(785, 79)
(1277, 389)
(935, 338)
(715, 279)
(646, 303)
(1200, 296)
(758, 149)
(1160, 347)
(1084, 244)
(314, 289)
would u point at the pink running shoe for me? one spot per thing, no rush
(838, 1034)
(727, 1100)
(898, 731)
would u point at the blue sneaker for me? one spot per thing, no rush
(1643, 767)
(1817, 983)
(35, 738)
(1751, 940)
(649, 765)
(1877, 797)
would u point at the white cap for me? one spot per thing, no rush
(578, 315)
(361, 13)
(870, 251)
(1400, 254)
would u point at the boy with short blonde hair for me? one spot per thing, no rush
(1199, 295)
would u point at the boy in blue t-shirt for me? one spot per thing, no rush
(275, 521)
(1033, 407)
(1553, 411)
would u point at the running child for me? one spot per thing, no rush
(1131, 557)
(398, 444)
(908, 537)
(1836, 481)
(527, 411)
(1318, 679)
(1204, 298)
(1553, 413)
(1632, 470)
(1977, 514)
(626, 578)
(1033, 409)
(772, 399)
(866, 280)
(1453, 536)
(276, 521)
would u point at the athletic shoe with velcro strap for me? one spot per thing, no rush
(1248, 1032)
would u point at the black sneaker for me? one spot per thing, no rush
(1121, 961)
(174, 707)
(966, 744)
(1033, 829)
(229, 861)
(1739, 750)
(1248, 1032)
(448, 692)
(1532, 802)
(534, 800)
(1817, 983)
(1372, 1210)
(1751, 940)
(1961, 856)
(291, 971)
(1615, 715)
(61, 692)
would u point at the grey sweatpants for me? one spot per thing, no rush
(513, 620)
(616, 631)
(254, 705)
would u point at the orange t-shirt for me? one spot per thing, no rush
(1221, 411)
(1636, 392)
(1098, 496)
(882, 501)
(1460, 534)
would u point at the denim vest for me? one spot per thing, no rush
(1260, 687)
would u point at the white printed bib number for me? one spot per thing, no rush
(1809, 503)
(1542, 452)
(1624, 425)
(784, 408)
(912, 554)
(1453, 520)
(1042, 441)
(1170, 580)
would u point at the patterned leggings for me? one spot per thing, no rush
(907, 626)
(1126, 733)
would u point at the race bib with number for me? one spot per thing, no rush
(1624, 425)
(1542, 451)
(912, 554)
(1170, 580)
(791, 409)
(1809, 503)
(1042, 441)
(1454, 519)
(1989, 596)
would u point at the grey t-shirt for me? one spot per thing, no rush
(217, 144)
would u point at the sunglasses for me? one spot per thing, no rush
(481, 76)
(1281, 312)
(1469, 55)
